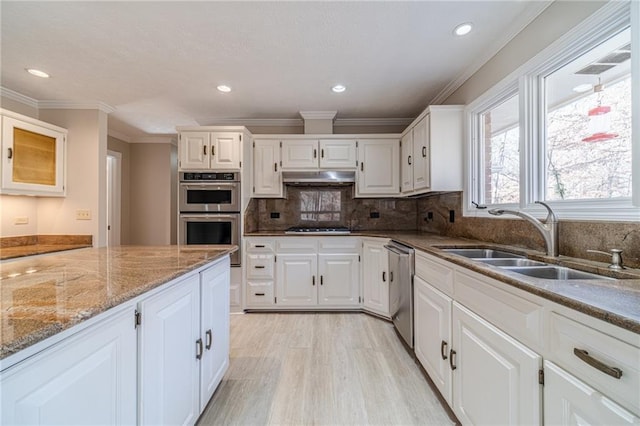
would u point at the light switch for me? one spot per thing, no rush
(83, 214)
(21, 220)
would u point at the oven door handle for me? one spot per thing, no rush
(208, 185)
(208, 216)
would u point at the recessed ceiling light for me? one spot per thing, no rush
(463, 29)
(338, 88)
(224, 89)
(581, 88)
(37, 73)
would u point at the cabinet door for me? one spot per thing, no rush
(194, 150)
(375, 277)
(421, 158)
(267, 177)
(337, 154)
(168, 368)
(87, 379)
(299, 154)
(296, 279)
(379, 172)
(496, 377)
(214, 328)
(432, 317)
(339, 279)
(569, 401)
(225, 151)
(33, 158)
(406, 163)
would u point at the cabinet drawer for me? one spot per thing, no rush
(260, 266)
(517, 316)
(436, 274)
(258, 246)
(296, 245)
(567, 338)
(260, 293)
(338, 245)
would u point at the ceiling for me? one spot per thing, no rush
(157, 64)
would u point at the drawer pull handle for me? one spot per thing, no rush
(259, 245)
(259, 266)
(313, 280)
(209, 339)
(384, 276)
(198, 348)
(9, 153)
(443, 350)
(315, 153)
(259, 294)
(584, 355)
(424, 152)
(452, 362)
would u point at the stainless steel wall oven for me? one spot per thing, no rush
(210, 210)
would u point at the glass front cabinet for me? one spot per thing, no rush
(33, 156)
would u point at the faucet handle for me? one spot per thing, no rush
(551, 216)
(616, 257)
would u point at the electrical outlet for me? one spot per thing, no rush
(275, 215)
(452, 216)
(374, 215)
(83, 214)
(21, 220)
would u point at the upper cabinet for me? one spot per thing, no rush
(310, 154)
(432, 151)
(379, 171)
(210, 150)
(33, 156)
(267, 174)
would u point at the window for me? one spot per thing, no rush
(320, 206)
(559, 128)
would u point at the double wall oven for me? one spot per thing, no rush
(210, 209)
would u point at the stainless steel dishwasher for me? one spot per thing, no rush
(401, 269)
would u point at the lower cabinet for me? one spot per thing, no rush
(184, 347)
(570, 401)
(339, 279)
(296, 280)
(86, 379)
(375, 276)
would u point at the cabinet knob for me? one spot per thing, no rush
(321, 280)
(452, 361)
(424, 152)
(275, 167)
(409, 160)
(315, 153)
(209, 339)
(199, 349)
(362, 166)
(322, 153)
(384, 276)
(443, 350)
(9, 153)
(313, 280)
(205, 149)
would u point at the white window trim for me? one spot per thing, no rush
(607, 21)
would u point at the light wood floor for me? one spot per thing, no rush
(320, 369)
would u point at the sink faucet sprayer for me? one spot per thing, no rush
(548, 229)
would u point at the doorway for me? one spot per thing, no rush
(114, 194)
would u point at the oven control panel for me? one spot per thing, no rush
(209, 177)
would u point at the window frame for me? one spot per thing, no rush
(528, 82)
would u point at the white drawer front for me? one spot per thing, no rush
(567, 336)
(515, 315)
(260, 293)
(260, 266)
(436, 274)
(339, 245)
(260, 246)
(297, 245)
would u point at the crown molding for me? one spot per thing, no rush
(372, 122)
(318, 115)
(18, 97)
(170, 139)
(525, 18)
(119, 135)
(101, 106)
(285, 122)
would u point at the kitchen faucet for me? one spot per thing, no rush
(548, 229)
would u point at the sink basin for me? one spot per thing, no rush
(556, 273)
(511, 262)
(472, 253)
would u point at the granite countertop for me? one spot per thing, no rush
(42, 296)
(614, 301)
(29, 245)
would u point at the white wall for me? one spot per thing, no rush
(12, 206)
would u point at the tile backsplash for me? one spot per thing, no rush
(308, 206)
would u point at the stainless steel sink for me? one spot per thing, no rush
(555, 273)
(511, 262)
(472, 253)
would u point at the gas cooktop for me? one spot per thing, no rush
(318, 230)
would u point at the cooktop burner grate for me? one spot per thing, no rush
(318, 230)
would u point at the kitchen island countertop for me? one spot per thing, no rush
(44, 295)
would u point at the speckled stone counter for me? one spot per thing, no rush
(29, 245)
(615, 301)
(42, 296)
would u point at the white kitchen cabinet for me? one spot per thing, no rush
(379, 171)
(495, 378)
(375, 276)
(337, 154)
(214, 326)
(87, 379)
(267, 176)
(169, 370)
(569, 401)
(297, 280)
(339, 279)
(432, 319)
(299, 154)
(311, 154)
(209, 150)
(431, 158)
(33, 156)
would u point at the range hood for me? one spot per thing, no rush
(323, 177)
